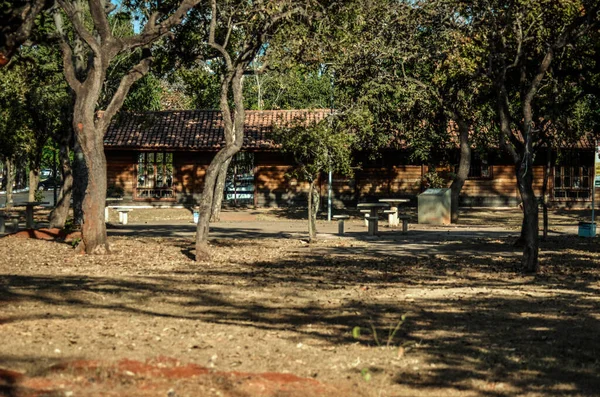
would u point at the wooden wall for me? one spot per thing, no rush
(190, 170)
(275, 187)
(120, 170)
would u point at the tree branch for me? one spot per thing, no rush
(74, 14)
(505, 128)
(67, 54)
(136, 73)
(152, 31)
(211, 36)
(98, 12)
(20, 35)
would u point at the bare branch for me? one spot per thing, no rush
(153, 31)
(136, 73)
(67, 53)
(211, 36)
(74, 14)
(98, 12)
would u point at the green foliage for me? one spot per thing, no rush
(297, 88)
(145, 95)
(200, 84)
(15, 134)
(317, 147)
(38, 195)
(433, 180)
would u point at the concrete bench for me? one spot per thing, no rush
(392, 217)
(404, 219)
(373, 221)
(123, 215)
(341, 219)
(366, 213)
(14, 222)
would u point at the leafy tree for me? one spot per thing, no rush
(529, 44)
(14, 132)
(316, 147)
(47, 103)
(201, 84)
(87, 56)
(238, 32)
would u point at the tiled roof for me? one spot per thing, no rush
(583, 142)
(197, 129)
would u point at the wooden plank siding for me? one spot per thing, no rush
(273, 185)
(120, 171)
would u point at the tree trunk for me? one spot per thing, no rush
(547, 171)
(463, 168)
(79, 184)
(530, 232)
(34, 180)
(219, 192)
(206, 201)
(9, 183)
(313, 209)
(20, 176)
(59, 214)
(93, 228)
(233, 123)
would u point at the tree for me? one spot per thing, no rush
(239, 31)
(86, 60)
(18, 20)
(15, 134)
(316, 147)
(526, 41)
(47, 103)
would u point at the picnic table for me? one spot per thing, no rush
(394, 203)
(29, 223)
(373, 208)
(372, 218)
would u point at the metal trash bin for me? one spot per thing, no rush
(587, 229)
(435, 207)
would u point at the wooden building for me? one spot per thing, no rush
(161, 157)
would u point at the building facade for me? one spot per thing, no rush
(161, 158)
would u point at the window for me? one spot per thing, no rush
(573, 176)
(573, 183)
(155, 175)
(479, 168)
(239, 187)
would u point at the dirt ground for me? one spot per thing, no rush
(341, 317)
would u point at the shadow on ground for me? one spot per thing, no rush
(471, 313)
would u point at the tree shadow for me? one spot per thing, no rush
(471, 314)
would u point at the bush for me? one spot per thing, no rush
(433, 180)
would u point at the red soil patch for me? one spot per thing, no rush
(157, 377)
(47, 234)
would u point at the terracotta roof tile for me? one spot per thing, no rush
(197, 129)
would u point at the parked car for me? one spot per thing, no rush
(50, 183)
